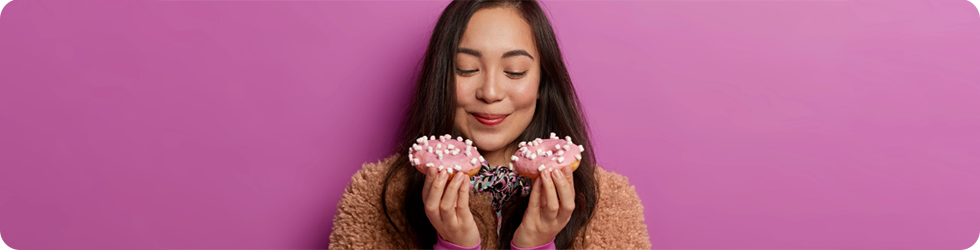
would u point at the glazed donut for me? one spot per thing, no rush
(535, 156)
(445, 153)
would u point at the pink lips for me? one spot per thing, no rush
(489, 119)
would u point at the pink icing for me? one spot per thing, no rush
(419, 154)
(548, 156)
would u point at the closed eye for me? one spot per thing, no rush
(466, 72)
(516, 74)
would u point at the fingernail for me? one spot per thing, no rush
(547, 173)
(558, 175)
(442, 174)
(567, 171)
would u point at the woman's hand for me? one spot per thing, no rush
(447, 204)
(549, 208)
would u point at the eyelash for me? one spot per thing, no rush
(463, 72)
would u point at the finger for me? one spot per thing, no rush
(550, 198)
(566, 194)
(463, 202)
(534, 202)
(430, 175)
(435, 196)
(448, 206)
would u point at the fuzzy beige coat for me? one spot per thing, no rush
(360, 222)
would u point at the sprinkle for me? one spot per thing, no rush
(540, 152)
(468, 154)
(448, 136)
(450, 171)
(430, 149)
(541, 168)
(442, 139)
(440, 154)
(553, 159)
(459, 138)
(481, 159)
(439, 146)
(553, 136)
(539, 140)
(560, 152)
(429, 165)
(533, 156)
(418, 162)
(456, 152)
(450, 146)
(581, 148)
(417, 147)
(432, 138)
(457, 167)
(561, 159)
(513, 158)
(568, 139)
(473, 161)
(557, 146)
(419, 140)
(522, 144)
(511, 165)
(440, 167)
(425, 142)
(547, 153)
(468, 142)
(578, 157)
(565, 147)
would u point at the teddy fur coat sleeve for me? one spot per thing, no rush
(360, 222)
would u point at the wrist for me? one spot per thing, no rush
(524, 240)
(461, 244)
(533, 246)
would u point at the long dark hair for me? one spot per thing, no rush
(431, 112)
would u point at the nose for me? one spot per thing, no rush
(491, 89)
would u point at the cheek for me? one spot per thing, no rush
(525, 95)
(464, 95)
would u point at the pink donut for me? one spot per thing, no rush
(535, 156)
(445, 153)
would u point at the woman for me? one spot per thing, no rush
(492, 73)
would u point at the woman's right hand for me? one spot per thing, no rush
(447, 204)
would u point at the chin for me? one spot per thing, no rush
(489, 142)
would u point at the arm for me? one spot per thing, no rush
(359, 222)
(445, 245)
(618, 222)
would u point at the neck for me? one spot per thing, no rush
(500, 157)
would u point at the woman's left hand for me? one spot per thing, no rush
(549, 208)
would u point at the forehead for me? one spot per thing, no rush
(497, 30)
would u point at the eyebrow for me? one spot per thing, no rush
(512, 53)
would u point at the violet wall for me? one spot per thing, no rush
(237, 124)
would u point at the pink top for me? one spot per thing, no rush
(445, 245)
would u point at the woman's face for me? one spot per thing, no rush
(497, 76)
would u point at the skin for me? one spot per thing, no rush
(497, 72)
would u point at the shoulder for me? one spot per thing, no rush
(618, 221)
(371, 176)
(360, 222)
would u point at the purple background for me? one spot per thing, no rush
(237, 124)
